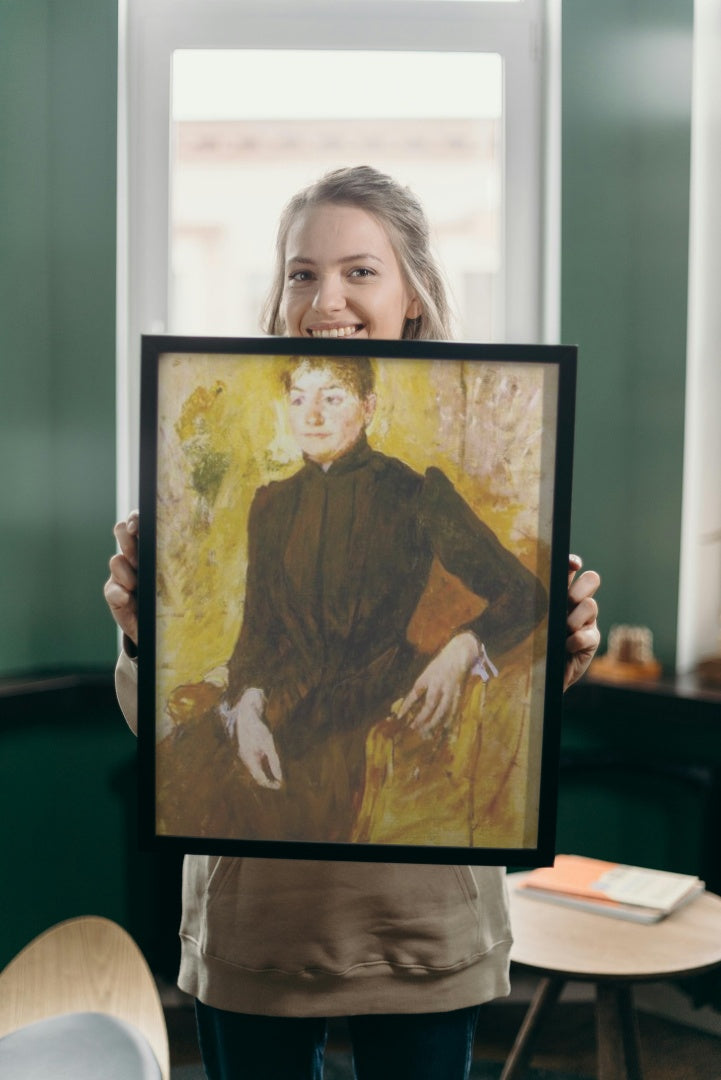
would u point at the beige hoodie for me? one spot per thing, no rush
(286, 937)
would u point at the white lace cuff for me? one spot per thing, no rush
(484, 667)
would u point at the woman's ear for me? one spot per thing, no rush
(415, 309)
(369, 408)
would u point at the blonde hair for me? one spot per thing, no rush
(402, 216)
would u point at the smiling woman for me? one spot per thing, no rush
(353, 259)
(343, 277)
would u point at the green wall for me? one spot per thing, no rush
(625, 201)
(67, 761)
(58, 73)
(68, 803)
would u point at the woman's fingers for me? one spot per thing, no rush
(121, 587)
(272, 762)
(584, 586)
(582, 633)
(583, 613)
(126, 534)
(123, 572)
(411, 699)
(123, 607)
(429, 714)
(575, 563)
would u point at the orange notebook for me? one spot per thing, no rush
(631, 892)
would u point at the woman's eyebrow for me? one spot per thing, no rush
(325, 389)
(363, 256)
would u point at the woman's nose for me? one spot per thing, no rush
(314, 415)
(329, 295)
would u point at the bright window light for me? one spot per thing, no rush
(239, 154)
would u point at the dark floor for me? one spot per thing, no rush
(567, 1042)
(669, 1051)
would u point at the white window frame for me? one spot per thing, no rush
(526, 34)
(699, 598)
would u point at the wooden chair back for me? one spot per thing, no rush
(87, 964)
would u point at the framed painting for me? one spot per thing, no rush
(352, 597)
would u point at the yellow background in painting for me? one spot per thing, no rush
(222, 432)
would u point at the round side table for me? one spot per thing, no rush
(563, 944)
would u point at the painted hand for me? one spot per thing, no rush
(256, 746)
(435, 695)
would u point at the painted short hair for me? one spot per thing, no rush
(355, 372)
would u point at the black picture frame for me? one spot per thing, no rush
(494, 425)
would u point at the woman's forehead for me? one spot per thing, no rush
(327, 229)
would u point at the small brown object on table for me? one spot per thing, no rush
(563, 944)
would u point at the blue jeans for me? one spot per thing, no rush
(416, 1046)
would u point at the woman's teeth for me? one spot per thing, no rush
(337, 331)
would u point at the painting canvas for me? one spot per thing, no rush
(353, 572)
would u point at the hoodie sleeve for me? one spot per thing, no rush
(126, 689)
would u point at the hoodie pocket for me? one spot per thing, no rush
(203, 875)
(296, 916)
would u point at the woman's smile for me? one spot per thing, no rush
(335, 331)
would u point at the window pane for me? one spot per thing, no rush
(252, 127)
(454, 1)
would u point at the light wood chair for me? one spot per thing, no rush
(87, 965)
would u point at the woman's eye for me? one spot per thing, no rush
(362, 272)
(333, 399)
(300, 276)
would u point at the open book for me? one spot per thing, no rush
(608, 888)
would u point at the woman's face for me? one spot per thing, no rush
(326, 416)
(342, 277)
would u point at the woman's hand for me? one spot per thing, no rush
(440, 685)
(256, 747)
(121, 587)
(582, 633)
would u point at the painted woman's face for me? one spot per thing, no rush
(326, 416)
(342, 277)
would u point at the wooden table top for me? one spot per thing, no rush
(582, 945)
